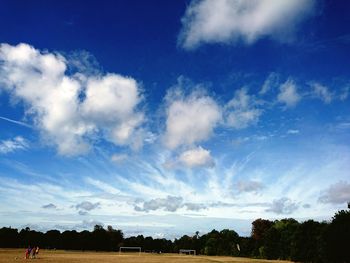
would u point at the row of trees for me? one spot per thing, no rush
(309, 241)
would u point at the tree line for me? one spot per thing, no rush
(309, 241)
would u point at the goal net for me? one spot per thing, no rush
(130, 250)
(187, 252)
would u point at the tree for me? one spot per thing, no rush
(52, 239)
(100, 238)
(307, 242)
(271, 248)
(211, 246)
(9, 237)
(115, 237)
(337, 238)
(286, 228)
(259, 230)
(228, 239)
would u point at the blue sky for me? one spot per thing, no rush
(169, 117)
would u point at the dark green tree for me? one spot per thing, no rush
(307, 242)
(337, 238)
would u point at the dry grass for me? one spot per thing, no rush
(16, 255)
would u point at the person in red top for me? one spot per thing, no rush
(27, 253)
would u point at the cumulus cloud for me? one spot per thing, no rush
(15, 144)
(71, 110)
(226, 21)
(288, 94)
(338, 193)
(282, 206)
(322, 92)
(249, 186)
(193, 158)
(196, 157)
(83, 213)
(49, 206)
(190, 119)
(242, 111)
(195, 206)
(87, 206)
(170, 204)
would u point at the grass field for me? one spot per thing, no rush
(17, 255)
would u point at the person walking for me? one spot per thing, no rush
(27, 252)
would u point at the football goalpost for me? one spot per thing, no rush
(130, 249)
(187, 252)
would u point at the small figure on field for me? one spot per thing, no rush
(27, 252)
(32, 253)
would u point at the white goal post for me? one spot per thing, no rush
(187, 252)
(130, 249)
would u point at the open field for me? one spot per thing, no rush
(17, 255)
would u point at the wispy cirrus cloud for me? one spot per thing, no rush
(322, 92)
(12, 145)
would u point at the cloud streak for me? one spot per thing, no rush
(12, 145)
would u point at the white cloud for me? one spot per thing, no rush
(338, 193)
(106, 187)
(195, 206)
(271, 82)
(226, 21)
(110, 102)
(190, 119)
(322, 92)
(249, 186)
(88, 206)
(345, 93)
(11, 145)
(170, 204)
(21, 123)
(282, 206)
(49, 206)
(119, 158)
(293, 131)
(241, 111)
(70, 110)
(197, 157)
(289, 94)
